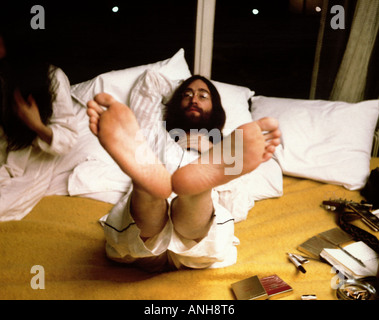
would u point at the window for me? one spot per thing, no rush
(266, 45)
(86, 38)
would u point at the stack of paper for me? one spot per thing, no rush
(350, 266)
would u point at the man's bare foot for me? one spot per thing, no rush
(241, 152)
(119, 133)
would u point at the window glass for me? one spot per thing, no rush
(87, 38)
(268, 45)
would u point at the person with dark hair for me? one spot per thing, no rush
(172, 219)
(37, 125)
(28, 93)
(191, 117)
(177, 118)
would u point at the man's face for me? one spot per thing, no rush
(197, 102)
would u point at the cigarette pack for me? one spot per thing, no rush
(249, 289)
(275, 287)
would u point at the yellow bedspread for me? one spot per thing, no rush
(63, 236)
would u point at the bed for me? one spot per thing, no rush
(57, 250)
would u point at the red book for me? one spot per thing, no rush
(275, 287)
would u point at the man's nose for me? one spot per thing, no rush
(195, 98)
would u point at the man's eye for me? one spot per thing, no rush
(187, 94)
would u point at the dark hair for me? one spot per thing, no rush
(31, 78)
(172, 110)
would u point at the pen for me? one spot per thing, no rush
(296, 263)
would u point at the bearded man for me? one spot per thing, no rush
(191, 230)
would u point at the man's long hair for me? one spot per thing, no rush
(174, 116)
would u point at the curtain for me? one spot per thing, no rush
(346, 61)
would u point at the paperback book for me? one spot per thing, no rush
(356, 260)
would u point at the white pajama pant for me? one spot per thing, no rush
(169, 250)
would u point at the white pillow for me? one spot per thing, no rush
(120, 82)
(235, 100)
(328, 141)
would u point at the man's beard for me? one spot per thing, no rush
(188, 120)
